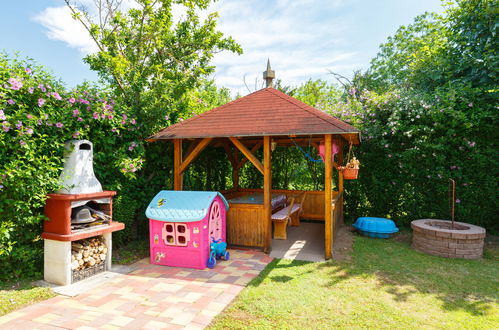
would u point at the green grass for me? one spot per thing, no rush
(15, 295)
(386, 285)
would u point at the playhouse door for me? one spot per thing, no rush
(215, 222)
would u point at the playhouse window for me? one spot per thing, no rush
(175, 234)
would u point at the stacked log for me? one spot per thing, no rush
(88, 253)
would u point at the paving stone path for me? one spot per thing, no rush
(150, 297)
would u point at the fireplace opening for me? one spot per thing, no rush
(90, 215)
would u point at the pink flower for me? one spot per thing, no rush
(76, 112)
(110, 117)
(72, 100)
(14, 84)
(56, 96)
(30, 90)
(29, 131)
(6, 126)
(11, 101)
(133, 121)
(79, 119)
(386, 145)
(59, 125)
(166, 117)
(76, 134)
(470, 104)
(125, 117)
(458, 201)
(113, 130)
(29, 116)
(39, 122)
(19, 125)
(95, 115)
(21, 142)
(42, 88)
(41, 102)
(2, 115)
(27, 70)
(471, 144)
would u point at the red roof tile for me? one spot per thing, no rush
(264, 112)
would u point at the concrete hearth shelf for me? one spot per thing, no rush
(90, 232)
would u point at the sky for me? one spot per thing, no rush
(303, 39)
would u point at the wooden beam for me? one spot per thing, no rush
(194, 153)
(233, 161)
(177, 161)
(328, 191)
(340, 161)
(253, 150)
(230, 155)
(190, 148)
(267, 193)
(247, 153)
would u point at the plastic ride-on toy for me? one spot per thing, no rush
(218, 250)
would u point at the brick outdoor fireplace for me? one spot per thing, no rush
(78, 232)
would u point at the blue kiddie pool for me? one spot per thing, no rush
(375, 227)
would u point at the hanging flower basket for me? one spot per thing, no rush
(351, 169)
(350, 173)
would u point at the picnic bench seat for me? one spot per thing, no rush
(283, 218)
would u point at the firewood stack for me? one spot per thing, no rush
(88, 253)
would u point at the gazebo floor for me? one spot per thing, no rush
(305, 242)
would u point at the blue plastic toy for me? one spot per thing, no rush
(218, 250)
(375, 227)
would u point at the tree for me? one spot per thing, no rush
(151, 61)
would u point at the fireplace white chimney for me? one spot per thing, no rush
(78, 176)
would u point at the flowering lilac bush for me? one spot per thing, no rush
(37, 115)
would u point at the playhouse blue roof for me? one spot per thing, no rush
(182, 206)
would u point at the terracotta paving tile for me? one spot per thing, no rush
(151, 297)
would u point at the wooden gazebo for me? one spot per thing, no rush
(265, 118)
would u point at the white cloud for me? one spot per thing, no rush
(62, 27)
(302, 38)
(297, 36)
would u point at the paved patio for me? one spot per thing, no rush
(150, 297)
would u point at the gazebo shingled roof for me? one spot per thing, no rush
(267, 112)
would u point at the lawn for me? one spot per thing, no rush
(14, 295)
(385, 285)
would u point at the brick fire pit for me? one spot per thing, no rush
(439, 238)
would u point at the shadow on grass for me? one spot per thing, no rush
(468, 285)
(276, 264)
(399, 270)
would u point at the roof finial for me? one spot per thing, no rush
(268, 74)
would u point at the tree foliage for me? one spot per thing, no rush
(151, 60)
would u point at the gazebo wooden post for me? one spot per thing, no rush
(177, 161)
(341, 187)
(267, 191)
(328, 191)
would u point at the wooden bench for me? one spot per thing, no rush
(295, 220)
(282, 218)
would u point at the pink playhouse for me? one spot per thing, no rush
(182, 224)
